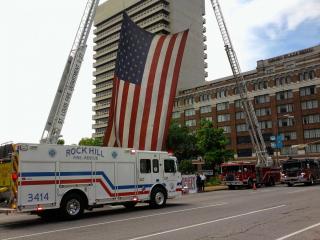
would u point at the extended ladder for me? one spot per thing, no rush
(254, 129)
(54, 124)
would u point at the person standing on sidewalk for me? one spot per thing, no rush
(198, 182)
(203, 179)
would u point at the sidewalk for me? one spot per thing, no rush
(215, 188)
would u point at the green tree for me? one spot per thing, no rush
(181, 141)
(186, 167)
(211, 144)
(90, 142)
(60, 141)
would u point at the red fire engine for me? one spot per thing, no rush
(236, 174)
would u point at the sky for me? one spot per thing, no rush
(36, 37)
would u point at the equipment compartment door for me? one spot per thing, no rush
(37, 183)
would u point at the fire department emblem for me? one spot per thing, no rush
(114, 154)
(52, 153)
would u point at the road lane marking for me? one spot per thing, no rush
(298, 191)
(300, 231)
(115, 221)
(205, 223)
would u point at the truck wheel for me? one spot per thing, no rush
(72, 206)
(231, 187)
(129, 205)
(158, 198)
(290, 184)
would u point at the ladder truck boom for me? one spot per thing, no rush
(263, 160)
(59, 108)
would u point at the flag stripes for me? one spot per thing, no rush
(140, 111)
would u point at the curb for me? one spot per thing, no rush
(215, 188)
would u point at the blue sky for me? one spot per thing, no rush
(37, 36)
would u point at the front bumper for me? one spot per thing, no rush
(233, 183)
(295, 180)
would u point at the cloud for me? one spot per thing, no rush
(259, 27)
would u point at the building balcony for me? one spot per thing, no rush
(100, 116)
(103, 97)
(101, 106)
(97, 135)
(100, 89)
(99, 125)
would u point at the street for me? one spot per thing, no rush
(277, 213)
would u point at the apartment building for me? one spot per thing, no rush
(285, 91)
(156, 16)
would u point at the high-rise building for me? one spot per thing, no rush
(156, 16)
(285, 91)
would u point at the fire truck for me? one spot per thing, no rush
(246, 174)
(66, 180)
(306, 171)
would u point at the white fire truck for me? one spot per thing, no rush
(45, 178)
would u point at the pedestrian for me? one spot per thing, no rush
(203, 179)
(198, 182)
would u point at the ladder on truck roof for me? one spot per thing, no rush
(263, 159)
(59, 108)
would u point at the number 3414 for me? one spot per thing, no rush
(38, 197)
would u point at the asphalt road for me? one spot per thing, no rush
(267, 213)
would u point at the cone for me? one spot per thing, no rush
(254, 187)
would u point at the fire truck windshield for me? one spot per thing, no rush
(292, 166)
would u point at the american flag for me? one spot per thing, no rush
(144, 87)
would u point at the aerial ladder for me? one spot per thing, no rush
(59, 108)
(263, 159)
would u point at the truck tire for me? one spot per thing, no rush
(231, 187)
(158, 198)
(129, 205)
(72, 206)
(290, 184)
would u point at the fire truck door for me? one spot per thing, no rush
(148, 170)
(170, 175)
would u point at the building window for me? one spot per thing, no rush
(313, 148)
(205, 109)
(242, 128)
(260, 85)
(189, 101)
(204, 97)
(263, 112)
(289, 136)
(189, 112)
(279, 81)
(240, 115)
(311, 119)
(312, 133)
(222, 106)
(226, 129)
(244, 152)
(265, 124)
(307, 75)
(223, 117)
(207, 119)
(287, 122)
(286, 108)
(175, 115)
(309, 104)
(284, 95)
(243, 139)
(176, 103)
(307, 91)
(237, 103)
(222, 93)
(262, 99)
(190, 123)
